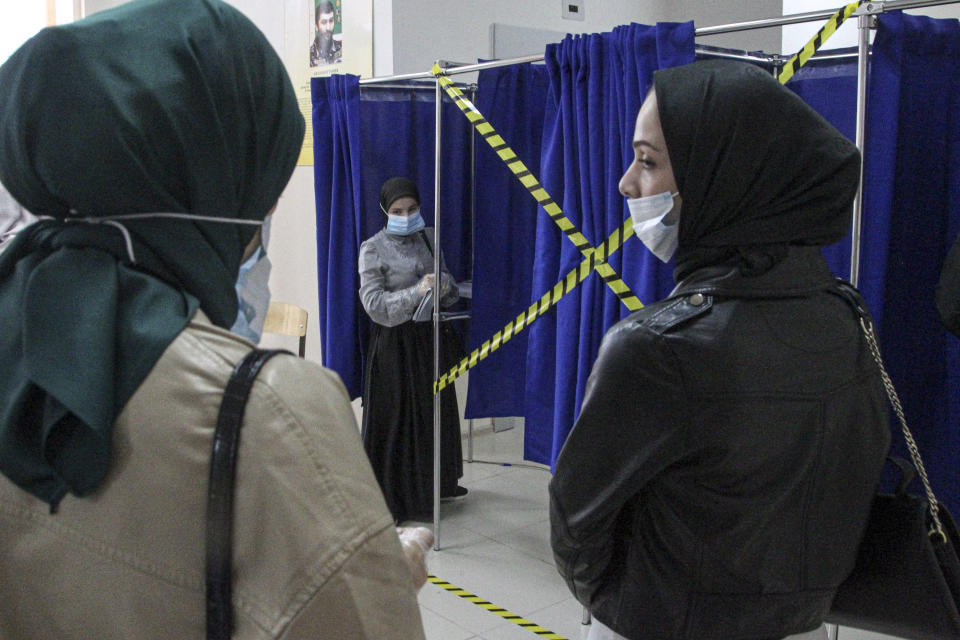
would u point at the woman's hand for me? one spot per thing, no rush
(415, 542)
(425, 284)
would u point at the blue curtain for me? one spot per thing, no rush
(597, 83)
(336, 174)
(912, 216)
(360, 139)
(398, 140)
(512, 100)
(593, 88)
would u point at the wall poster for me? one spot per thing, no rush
(320, 38)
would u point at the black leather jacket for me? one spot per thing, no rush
(719, 477)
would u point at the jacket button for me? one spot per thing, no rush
(696, 299)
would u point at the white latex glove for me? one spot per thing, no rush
(446, 284)
(425, 284)
(415, 542)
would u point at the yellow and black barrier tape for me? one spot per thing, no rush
(492, 608)
(801, 57)
(528, 180)
(546, 302)
(595, 258)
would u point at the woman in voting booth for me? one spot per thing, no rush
(719, 477)
(396, 279)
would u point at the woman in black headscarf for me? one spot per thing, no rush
(719, 477)
(154, 140)
(396, 275)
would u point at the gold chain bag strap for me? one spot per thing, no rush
(936, 527)
(906, 580)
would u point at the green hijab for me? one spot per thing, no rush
(155, 106)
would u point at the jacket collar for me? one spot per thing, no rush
(801, 272)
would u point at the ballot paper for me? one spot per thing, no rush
(424, 312)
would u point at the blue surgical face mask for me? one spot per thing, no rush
(253, 290)
(655, 224)
(404, 225)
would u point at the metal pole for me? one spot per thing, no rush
(396, 78)
(436, 316)
(473, 197)
(469, 68)
(470, 440)
(893, 5)
(811, 16)
(865, 23)
(400, 85)
(749, 57)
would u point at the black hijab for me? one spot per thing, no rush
(757, 168)
(396, 188)
(155, 106)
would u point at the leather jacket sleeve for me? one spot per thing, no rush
(631, 427)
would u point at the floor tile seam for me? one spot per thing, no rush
(487, 537)
(478, 630)
(525, 526)
(530, 556)
(484, 463)
(503, 543)
(561, 601)
(498, 471)
(454, 622)
(526, 553)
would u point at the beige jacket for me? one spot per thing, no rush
(316, 554)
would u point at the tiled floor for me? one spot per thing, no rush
(495, 543)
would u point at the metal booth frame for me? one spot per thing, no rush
(866, 15)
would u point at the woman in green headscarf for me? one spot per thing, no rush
(153, 140)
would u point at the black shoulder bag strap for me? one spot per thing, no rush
(223, 465)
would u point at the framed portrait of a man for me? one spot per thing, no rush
(314, 35)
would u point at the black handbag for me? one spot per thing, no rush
(906, 580)
(223, 466)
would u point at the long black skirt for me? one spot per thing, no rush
(398, 417)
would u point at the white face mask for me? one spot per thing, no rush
(253, 290)
(654, 225)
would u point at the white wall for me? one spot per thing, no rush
(796, 36)
(382, 37)
(19, 25)
(292, 250)
(425, 30)
(459, 30)
(21, 20)
(422, 31)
